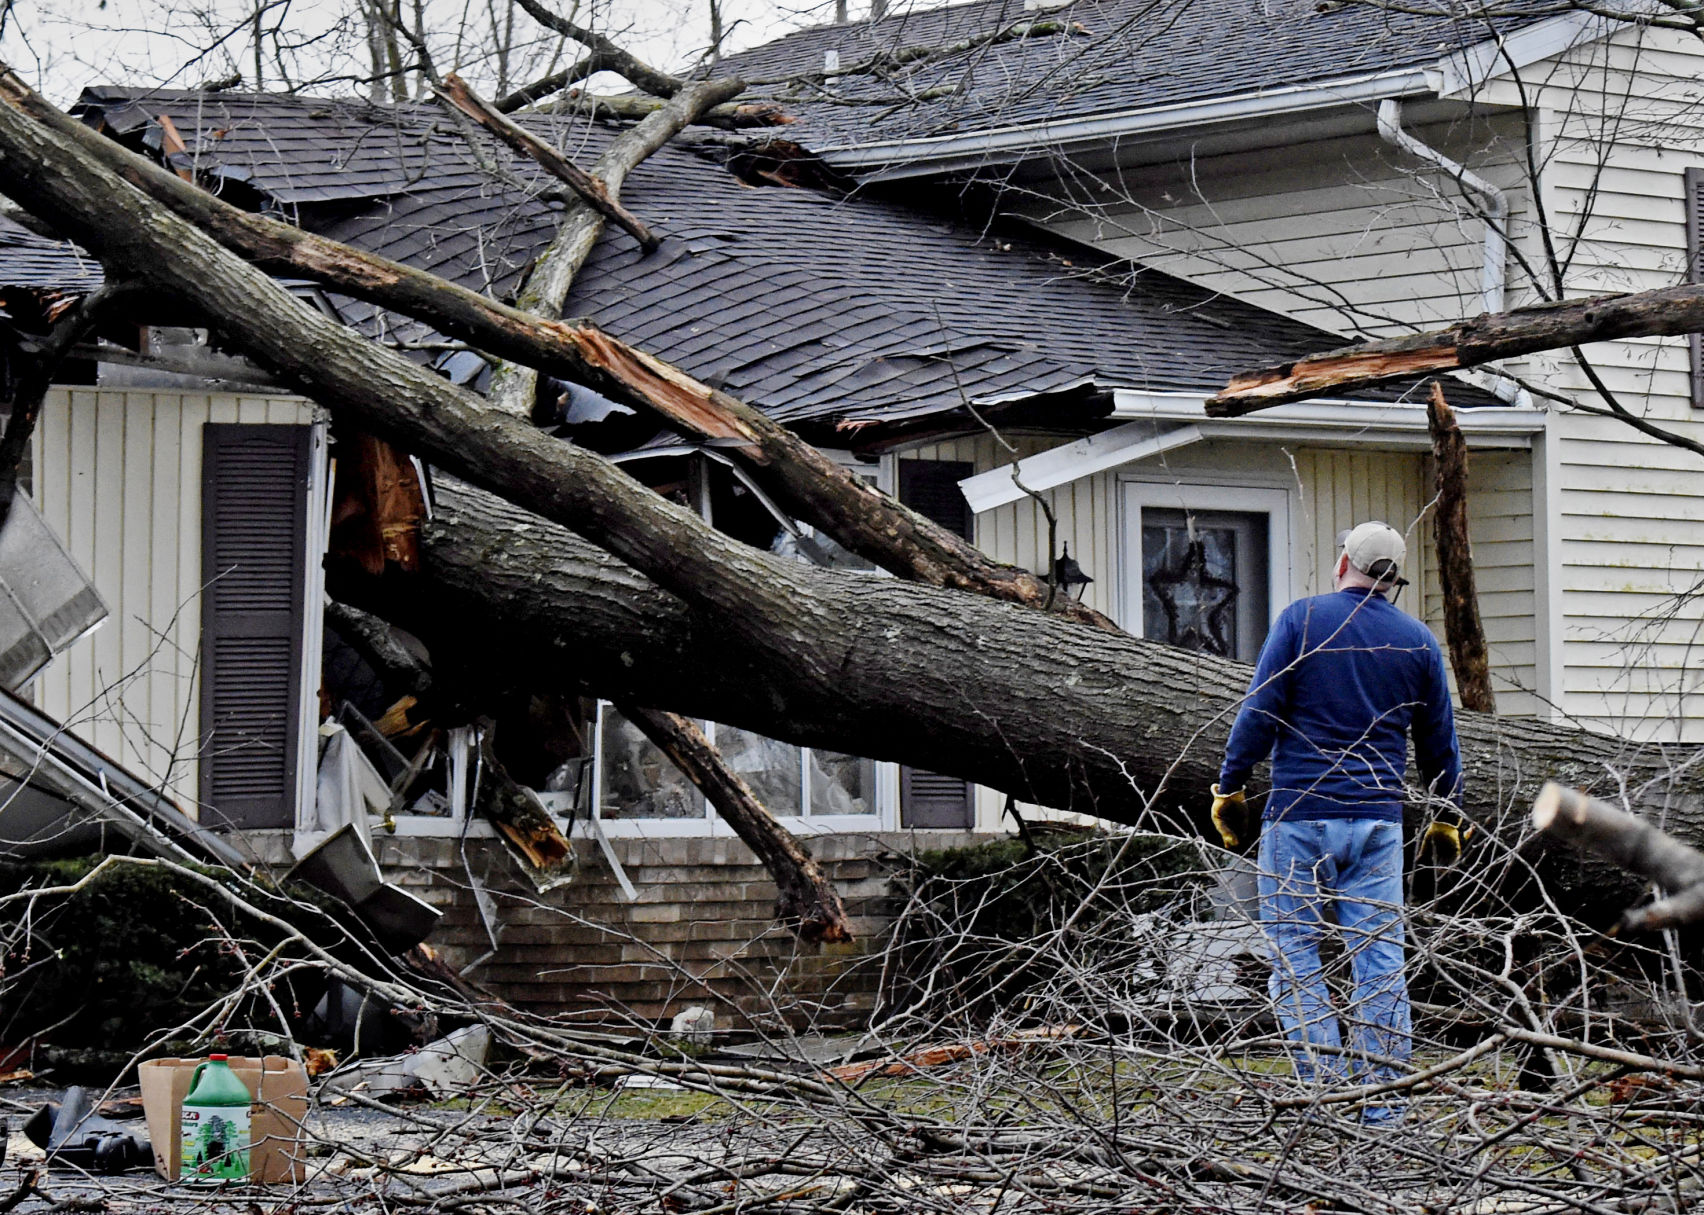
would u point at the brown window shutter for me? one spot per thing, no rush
(930, 487)
(1695, 271)
(254, 501)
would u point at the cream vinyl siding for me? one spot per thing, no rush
(1347, 234)
(118, 477)
(1618, 122)
(1329, 489)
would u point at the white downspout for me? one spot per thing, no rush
(1496, 215)
(1496, 202)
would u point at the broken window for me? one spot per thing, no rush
(637, 781)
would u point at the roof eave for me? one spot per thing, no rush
(934, 154)
(1454, 75)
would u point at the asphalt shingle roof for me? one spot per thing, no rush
(818, 308)
(1096, 57)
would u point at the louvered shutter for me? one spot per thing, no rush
(1695, 271)
(930, 487)
(254, 515)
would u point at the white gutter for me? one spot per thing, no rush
(1496, 202)
(1402, 426)
(1492, 281)
(916, 157)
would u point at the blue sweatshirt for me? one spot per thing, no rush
(1340, 682)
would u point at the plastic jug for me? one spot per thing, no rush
(215, 1128)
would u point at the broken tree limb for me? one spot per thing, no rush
(729, 116)
(544, 86)
(612, 56)
(1463, 629)
(588, 187)
(520, 817)
(1626, 840)
(514, 385)
(805, 483)
(806, 900)
(1473, 343)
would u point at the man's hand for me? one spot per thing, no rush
(1230, 816)
(1443, 843)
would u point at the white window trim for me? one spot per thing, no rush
(1249, 495)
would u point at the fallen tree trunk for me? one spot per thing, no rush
(802, 480)
(1114, 726)
(806, 902)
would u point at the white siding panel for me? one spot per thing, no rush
(118, 478)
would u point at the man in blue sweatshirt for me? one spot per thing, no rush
(1341, 682)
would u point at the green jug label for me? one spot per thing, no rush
(215, 1143)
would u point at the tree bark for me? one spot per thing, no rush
(807, 902)
(1484, 339)
(1631, 843)
(1463, 629)
(800, 478)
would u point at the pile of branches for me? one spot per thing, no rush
(1555, 1068)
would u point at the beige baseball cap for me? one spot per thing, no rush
(1376, 549)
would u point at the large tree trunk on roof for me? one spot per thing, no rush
(1050, 710)
(1053, 712)
(800, 478)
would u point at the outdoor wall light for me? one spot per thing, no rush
(1068, 576)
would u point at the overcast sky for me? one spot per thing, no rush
(62, 45)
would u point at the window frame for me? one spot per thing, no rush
(885, 795)
(1136, 492)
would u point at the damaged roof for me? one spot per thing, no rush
(40, 276)
(1012, 65)
(829, 310)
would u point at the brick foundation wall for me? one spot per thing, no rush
(700, 931)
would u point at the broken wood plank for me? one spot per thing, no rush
(807, 901)
(1463, 629)
(458, 93)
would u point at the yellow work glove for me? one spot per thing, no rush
(1230, 816)
(1442, 844)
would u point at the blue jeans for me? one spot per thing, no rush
(1356, 864)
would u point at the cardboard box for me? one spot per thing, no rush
(280, 1090)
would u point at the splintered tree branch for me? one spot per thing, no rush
(800, 478)
(1629, 841)
(514, 385)
(1462, 626)
(597, 196)
(1472, 343)
(807, 900)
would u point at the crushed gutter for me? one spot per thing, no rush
(42, 754)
